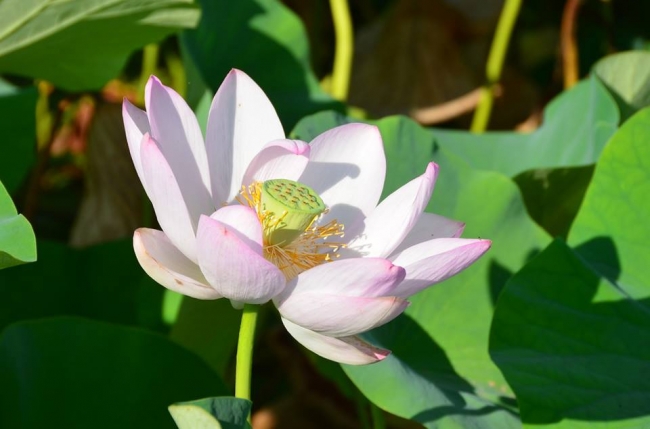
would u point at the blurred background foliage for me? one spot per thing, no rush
(549, 329)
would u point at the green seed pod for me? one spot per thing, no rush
(293, 205)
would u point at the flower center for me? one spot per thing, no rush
(294, 205)
(289, 212)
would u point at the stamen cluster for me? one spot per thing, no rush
(311, 248)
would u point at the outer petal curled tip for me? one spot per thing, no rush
(136, 125)
(177, 132)
(279, 159)
(394, 217)
(340, 316)
(347, 168)
(169, 267)
(241, 121)
(350, 350)
(244, 222)
(436, 260)
(234, 269)
(355, 277)
(173, 215)
(428, 227)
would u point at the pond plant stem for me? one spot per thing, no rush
(495, 64)
(344, 49)
(378, 421)
(570, 69)
(245, 352)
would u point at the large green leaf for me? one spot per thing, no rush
(212, 413)
(571, 330)
(18, 131)
(553, 196)
(617, 206)
(102, 282)
(75, 373)
(81, 44)
(440, 373)
(573, 345)
(576, 126)
(627, 76)
(267, 41)
(17, 240)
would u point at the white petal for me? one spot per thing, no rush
(169, 267)
(241, 122)
(171, 210)
(280, 159)
(394, 217)
(347, 168)
(136, 125)
(235, 270)
(350, 350)
(357, 277)
(428, 227)
(340, 316)
(177, 132)
(436, 260)
(244, 222)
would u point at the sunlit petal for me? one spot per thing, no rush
(347, 168)
(162, 261)
(350, 350)
(436, 260)
(241, 122)
(235, 270)
(396, 215)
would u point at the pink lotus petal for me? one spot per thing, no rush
(174, 216)
(394, 217)
(337, 315)
(241, 122)
(177, 132)
(357, 277)
(428, 227)
(235, 270)
(280, 159)
(350, 350)
(436, 260)
(347, 168)
(243, 221)
(136, 125)
(162, 261)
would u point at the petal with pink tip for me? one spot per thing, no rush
(235, 270)
(280, 159)
(356, 277)
(394, 217)
(436, 260)
(338, 315)
(177, 132)
(244, 222)
(428, 227)
(136, 125)
(350, 350)
(162, 261)
(241, 122)
(174, 216)
(347, 168)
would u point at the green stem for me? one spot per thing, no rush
(378, 421)
(344, 47)
(362, 410)
(245, 351)
(149, 66)
(495, 64)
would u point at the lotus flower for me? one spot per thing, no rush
(251, 216)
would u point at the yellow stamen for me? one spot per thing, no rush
(310, 249)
